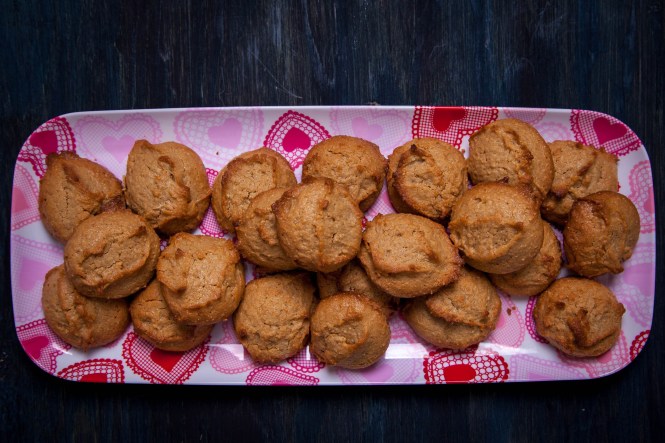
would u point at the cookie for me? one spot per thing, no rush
(353, 278)
(154, 322)
(497, 227)
(511, 151)
(601, 233)
(457, 316)
(535, 277)
(348, 331)
(167, 184)
(327, 283)
(408, 255)
(257, 234)
(578, 316)
(319, 225)
(429, 177)
(272, 321)
(244, 178)
(350, 161)
(81, 321)
(74, 189)
(202, 278)
(393, 162)
(579, 170)
(111, 255)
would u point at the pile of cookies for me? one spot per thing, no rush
(323, 279)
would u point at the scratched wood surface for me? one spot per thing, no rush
(65, 56)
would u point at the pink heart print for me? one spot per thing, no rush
(97, 370)
(529, 115)
(617, 357)
(25, 194)
(157, 366)
(471, 365)
(279, 376)
(52, 137)
(525, 367)
(31, 260)
(227, 355)
(510, 327)
(293, 134)
(108, 141)
(450, 124)
(529, 323)
(303, 361)
(209, 225)
(641, 194)
(551, 131)
(597, 129)
(218, 135)
(388, 128)
(41, 344)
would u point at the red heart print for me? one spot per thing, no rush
(47, 141)
(295, 139)
(606, 130)
(35, 345)
(638, 343)
(471, 365)
(167, 360)
(459, 373)
(97, 370)
(444, 116)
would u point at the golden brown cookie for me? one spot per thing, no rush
(257, 234)
(244, 178)
(429, 177)
(350, 161)
(497, 227)
(202, 278)
(73, 189)
(578, 316)
(408, 255)
(272, 321)
(167, 184)
(81, 321)
(457, 316)
(535, 277)
(579, 170)
(154, 322)
(327, 283)
(601, 232)
(349, 331)
(111, 255)
(319, 225)
(393, 162)
(512, 151)
(353, 278)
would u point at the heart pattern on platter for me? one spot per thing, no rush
(209, 225)
(641, 193)
(609, 362)
(529, 367)
(97, 370)
(471, 365)
(303, 361)
(157, 366)
(634, 287)
(31, 260)
(293, 134)
(219, 135)
(279, 376)
(551, 131)
(393, 367)
(638, 343)
(227, 355)
(52, 137)
(597, 129)
(41, 344)
(109, 140)
(386, 128)
(530, 115)
(528, 320)
(382, 205)
(450, 124)
(510, 326)
(25, 195)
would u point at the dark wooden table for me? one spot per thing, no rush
(59, 57)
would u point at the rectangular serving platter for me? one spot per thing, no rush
(513, 353)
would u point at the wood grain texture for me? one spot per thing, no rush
(65, 56)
